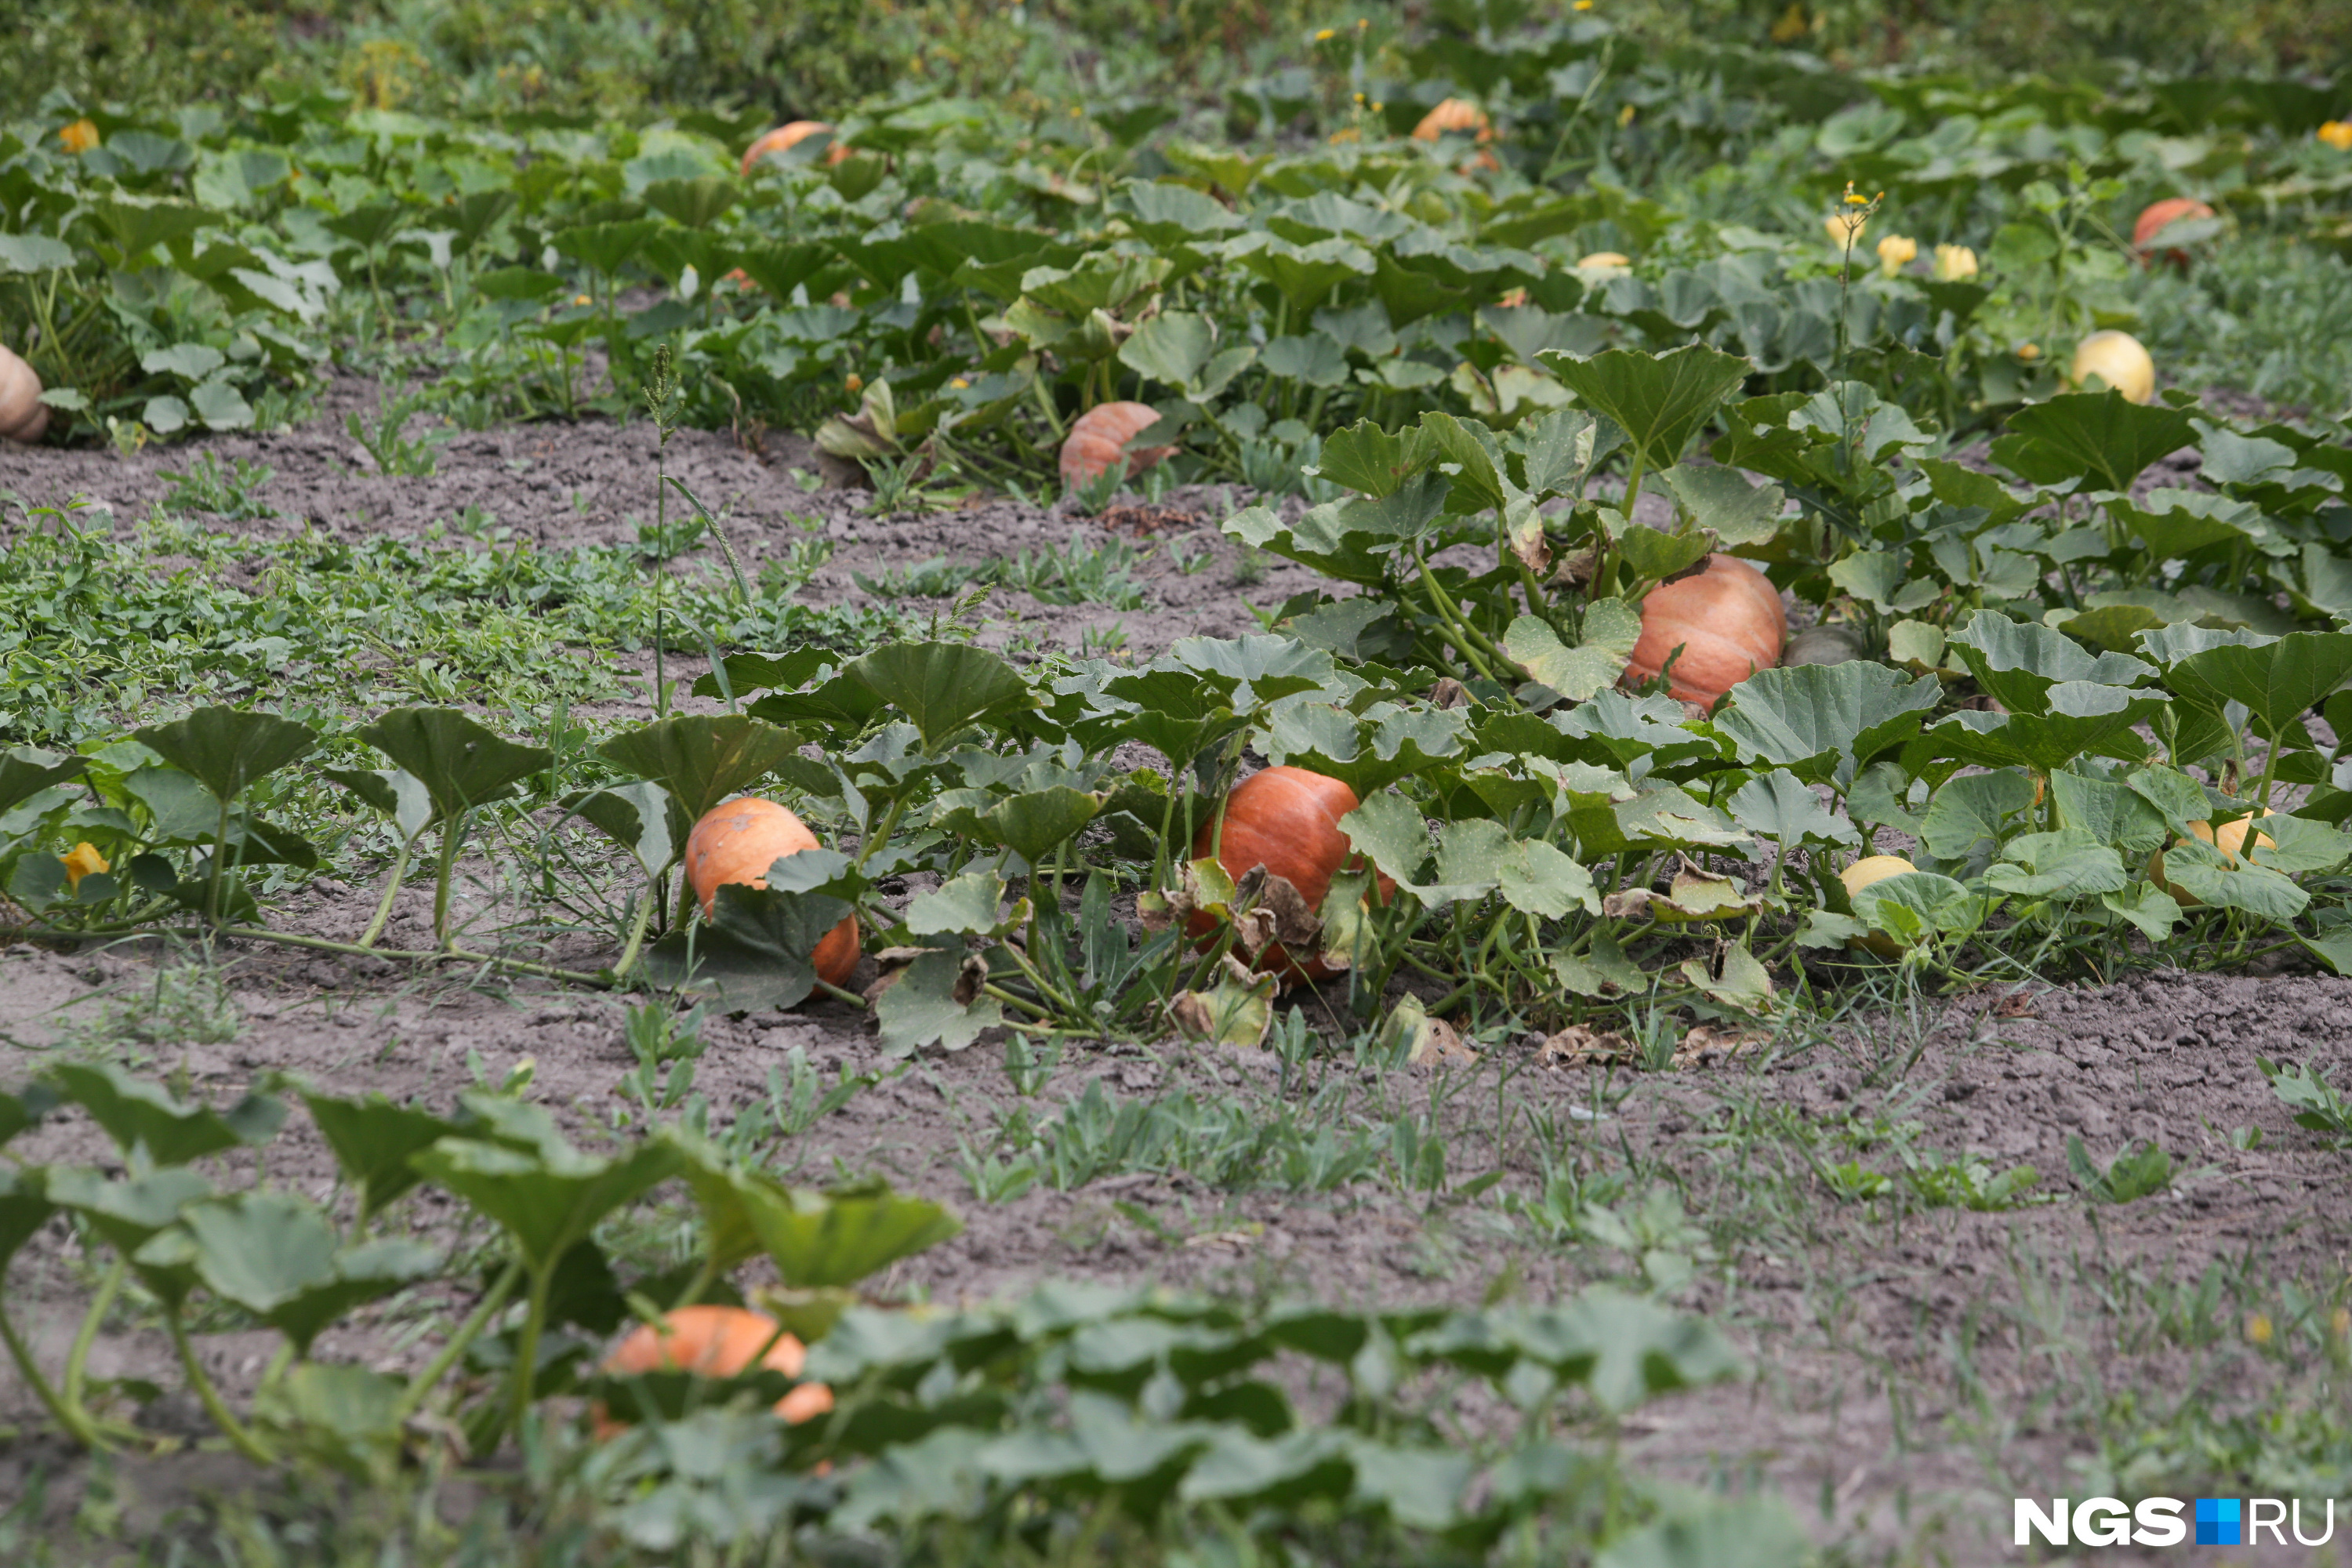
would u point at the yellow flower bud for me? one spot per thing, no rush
(82, 861)
(2258, 1327)
(1954, 263)
(1325, 34)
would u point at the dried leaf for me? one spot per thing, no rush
(1238, 1011)
(1694, 895)
(1273, 911)
(1580, 1044)
(1449, 693)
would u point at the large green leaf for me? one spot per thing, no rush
(1810, 718)
(132, 1212)
(461, 764)
(701, 760)
(2017, 662)
(373, 1139)
(1611, 628)
(227, 749)
(2103, 436)
(755, 954)
(2067, 864)
(2082, 717)
(643, 818)
(1370, 461)
(1353, 539)
(137, 1113)
(840, 1236)
(547, 1198)
(1778, 805)
(26, 771)
(1658, 400)
(1724, 500)
(2278, 681)
(942, 686)
(937, 1000)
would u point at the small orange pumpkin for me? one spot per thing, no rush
(1459, 114)
(23, 416)
(783, 138)
(1099, 439)
(1287, 820)
(2159, 215)
(737, 841)
(716, 1342)
(1727, 620)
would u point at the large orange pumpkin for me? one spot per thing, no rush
(716, 1342)
(1727, 620)
(1285, 819)
(786, 137)
(2157, 217)
(1459, 114)
(737, 842)
(23, 416)
(1099, 438)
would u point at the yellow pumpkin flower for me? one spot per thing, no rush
(1846, 227)
(1954, 263)
(1896, 252)
(81, 861)
(2337, 133)
(2028, 352)
(81, 136)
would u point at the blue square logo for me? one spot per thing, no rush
(2220, 1522)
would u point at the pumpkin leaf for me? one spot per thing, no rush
(1817, 719)
(702, 760)
(460, 765)
(944, 688)
(1611, 628)
(227, 749)
(1658, 400)
(2101, 436)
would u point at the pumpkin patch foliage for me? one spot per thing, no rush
(1760, 539)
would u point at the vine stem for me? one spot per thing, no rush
(75, 1421)
(468, 1332)
(78, 1358)
(391, 891)
(240, 1437)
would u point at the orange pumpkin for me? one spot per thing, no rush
(23, 416)
(737, 842)
(716, 1342)
(1285, 819)
(1099, 439)
(1459, 114)
(2157, 217)
(1727, 620)
(786, 137)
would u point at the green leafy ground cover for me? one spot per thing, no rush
(2055, 666)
